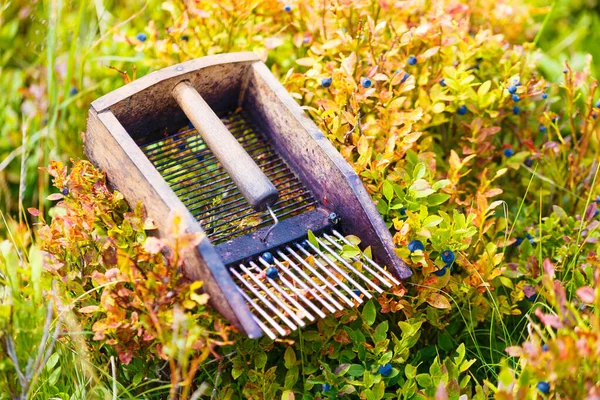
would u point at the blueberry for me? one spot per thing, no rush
(598, 104)
(141, 37)
(356, 292)
(595, 115)
(185, 38)
(403, 210)
(516, 110)
(415, 245)
(65, 191)
(304, 244)
(268, 257)
(325, 387)
(287, 8)
(516, 98)
(512, 89)
(532, 298)
(190, 125)
(517, 82)
(462, 110)
(443, 82)
(543, 387)
(385, 370)
(412, 60)
(528, 162)
(556, 119)
(405, 77)
(441, 272)
(544, 96)
(542, 128)
(272, 273)
(326, 82)
(73, 91)
(519, 241)
(530, 238)
(448, 256)
(508, 152)
(365, 82)
(544, 347)
(597, 199)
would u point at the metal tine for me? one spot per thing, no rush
(272, 295)
(341, 272)
(264, 328)
(175, 135)
(373, 263)
(172, 147)
(350, 267)
(262, 312)
(286, 294)
(270, 305)
(325, 281)
(294, 289)
(356, 259)
(262, 224)
(311, 281)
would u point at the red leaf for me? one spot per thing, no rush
(54, 197)
(586, 294)
(549, 268)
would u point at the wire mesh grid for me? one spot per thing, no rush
(195, 175)
(302, 281)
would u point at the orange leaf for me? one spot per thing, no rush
(438, 301)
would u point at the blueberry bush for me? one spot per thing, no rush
(473, 129)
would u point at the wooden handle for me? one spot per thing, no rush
(243, 171)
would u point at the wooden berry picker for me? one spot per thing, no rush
(222, 140)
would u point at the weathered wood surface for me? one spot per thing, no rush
(251, 181)
(320, 166)
(146, 107)
(110, 148)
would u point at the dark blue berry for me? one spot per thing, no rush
(512, 89)
(190, 125)
(73, 91)
(405, 77)
(556, 119)
(543, 387)
(325, 387)
(415, 245)
(516, 98)
(65, 191)
(304, 244)
(268, 257)
(403, 211)
(528, 162)
(185, 38)
(530, 238)
(544, 347)
(287, 8)
(544, 96)
(533, 297)
(443, 82)
(385, 370)
(365, 82)
(508, 152)
(597, 199)
(272, 273)
(595, 115)
(356, 292)
(542, 128)
(412, 60)
(441, 272)
(517, 82)
(598, 104)
(326, 82)
(516, 110)
(141, 37)
(448, 256)
(462, 110)
(519, 241)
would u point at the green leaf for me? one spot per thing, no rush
(52, 362)
(369, 313)
(419, 171)
(437, 198)
(441, 184)
(260, 360)
(424, 380)
(289, 357)
(388, 190)
(432, 220)
(313, 239)
(356, 370)
(350, 251)
(410, 371)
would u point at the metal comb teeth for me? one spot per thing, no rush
(301, 291)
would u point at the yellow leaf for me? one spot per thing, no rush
(484, 88)
(273, 42)
(287, 395)
(432, 51)
(306, 61)
(380, 77)
(201, 299)
(438, 301)
(331, 44)
(438, 108)
(88, 309)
